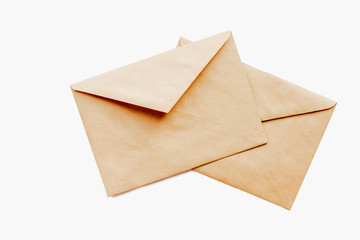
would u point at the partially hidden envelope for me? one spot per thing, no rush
(294, 120)
(169, 113)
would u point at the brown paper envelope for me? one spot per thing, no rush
(295, 120)
(169, 113)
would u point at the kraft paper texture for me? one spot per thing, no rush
(199, 107)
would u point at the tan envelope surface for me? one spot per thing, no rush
(169, 113)
(295, 120)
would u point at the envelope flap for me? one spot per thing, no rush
(277, 98)
(157, 82)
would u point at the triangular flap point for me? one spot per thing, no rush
(157, 82)
(289, 99)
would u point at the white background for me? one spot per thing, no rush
(50, 187)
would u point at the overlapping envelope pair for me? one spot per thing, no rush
(198, 107)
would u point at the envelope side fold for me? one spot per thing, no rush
(157, 82)
(222, 92)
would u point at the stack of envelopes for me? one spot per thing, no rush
(198, 107)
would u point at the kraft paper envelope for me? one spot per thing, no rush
(169, 113)
(295, 120)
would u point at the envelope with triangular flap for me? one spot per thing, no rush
(294, 120)
(169, 113)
